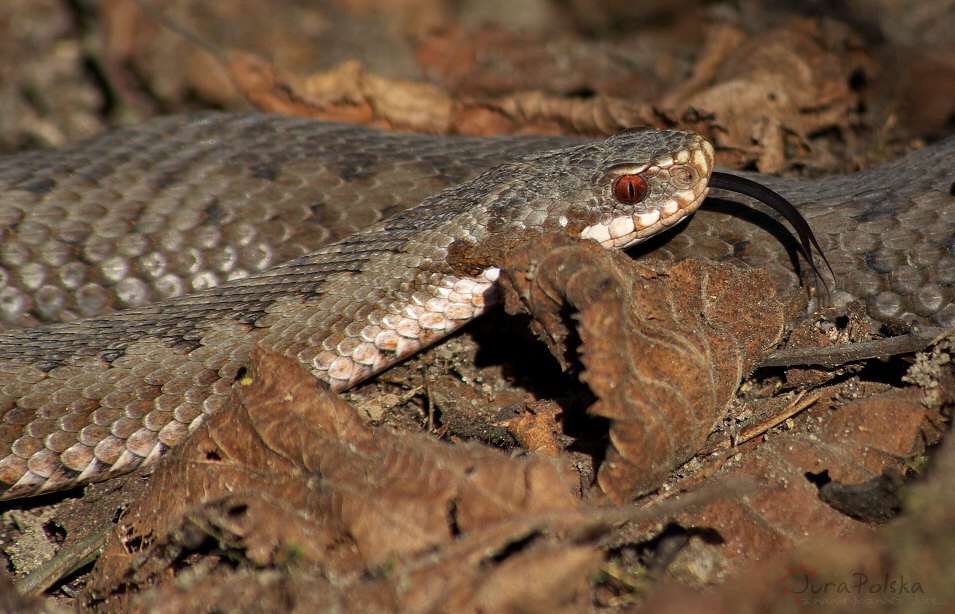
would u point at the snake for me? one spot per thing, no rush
(139, 267)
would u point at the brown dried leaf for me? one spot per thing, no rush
(135, 44)
(349, 93)
(792, 80)
(851, 444)
(179, 49)
(288, 478)
(491, 62)
(492, 80)
(664, 346)
(538, 112)
(916, 548)
(346, 93)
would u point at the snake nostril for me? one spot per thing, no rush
(683, 177)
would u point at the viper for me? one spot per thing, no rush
(138, 268)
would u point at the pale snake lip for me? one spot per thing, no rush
(211, 205)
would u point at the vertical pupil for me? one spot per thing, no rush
(630, 189)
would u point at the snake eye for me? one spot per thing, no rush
(630, 189)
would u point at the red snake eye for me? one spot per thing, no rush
(630, 189)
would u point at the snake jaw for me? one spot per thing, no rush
(680, 198)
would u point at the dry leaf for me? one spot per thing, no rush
(288, 481)
(664, 346)
(793, 80)
(852, 444)
(909, 564)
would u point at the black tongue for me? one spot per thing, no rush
(807, 239)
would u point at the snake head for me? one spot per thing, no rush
(662, 178)
(664, 181)
(617, 192)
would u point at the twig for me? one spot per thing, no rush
(66, 561)
(797, 405)
(838, 355)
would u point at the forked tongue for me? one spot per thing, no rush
(807, 239)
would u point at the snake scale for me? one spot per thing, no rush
(137, 268)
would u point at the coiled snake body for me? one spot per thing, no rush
(169, 248)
